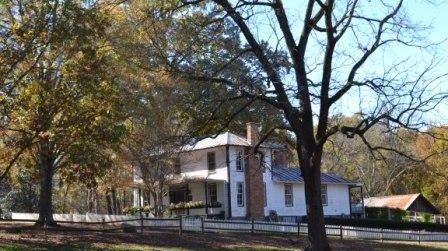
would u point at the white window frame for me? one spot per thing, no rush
(209, 162)
(239, 162)
(289, 196)
(262, 162)
(212, 195)
(324, 194)
(240, 194)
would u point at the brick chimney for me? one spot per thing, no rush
(254, 176)
(252, 133)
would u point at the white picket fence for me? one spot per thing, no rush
(88, 217)
(196, 224)
(343, 232)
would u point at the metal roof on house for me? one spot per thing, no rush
(225, 139)
(294, 175)
(402, 201)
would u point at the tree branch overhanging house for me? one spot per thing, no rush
(220, 177)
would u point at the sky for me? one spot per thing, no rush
(421, 12)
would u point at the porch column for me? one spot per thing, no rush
(225, 200)
(350, 199)
(206, 197)
(135, 197)
(140, 198)
(363, 208)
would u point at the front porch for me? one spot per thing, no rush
(206, 198)
(193, 197)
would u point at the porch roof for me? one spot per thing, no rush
(180, 180)
(191, 179)
(294, 175)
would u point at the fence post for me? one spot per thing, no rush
(298, 229)
(381, 231)
(253, 227)
(340, 231)
(419, 236)
(102, 225)
(202, 225)
(180, 225)
(141, 222)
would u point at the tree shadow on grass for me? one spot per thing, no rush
(149, 240)
(169, 240)
(23, 247)
(369, 245)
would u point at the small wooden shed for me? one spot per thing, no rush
(411, 203)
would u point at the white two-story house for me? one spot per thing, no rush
(219, 176)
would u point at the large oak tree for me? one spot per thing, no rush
(338, 56)
(61, 97)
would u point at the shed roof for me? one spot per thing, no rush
(294, 175)
(402, 201)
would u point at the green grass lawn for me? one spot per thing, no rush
(35, 240)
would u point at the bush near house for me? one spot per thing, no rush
(395, 214)
(136, 210)
(385, 213)
(192, 205)
(387, 224)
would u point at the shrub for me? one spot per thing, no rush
(147, 209)
(192, 204)
(130, 210)
(385, 213)
(426, 217)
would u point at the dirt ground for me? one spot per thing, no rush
(37, 239)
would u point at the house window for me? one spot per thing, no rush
(212, 193)
(289, 199)
(262, 163)
(240, 194)
(239, 161)
(211, 161)
(177, 167)
(278, 159)
(265, 196)
(323, 191)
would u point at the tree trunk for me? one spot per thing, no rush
(109, 204)
(114, 201)
(64, 200)
(316, 225)
(119, 207)
(124, 204)
(95, 200)
(46, 171)
(89, 201)
(158, 203)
